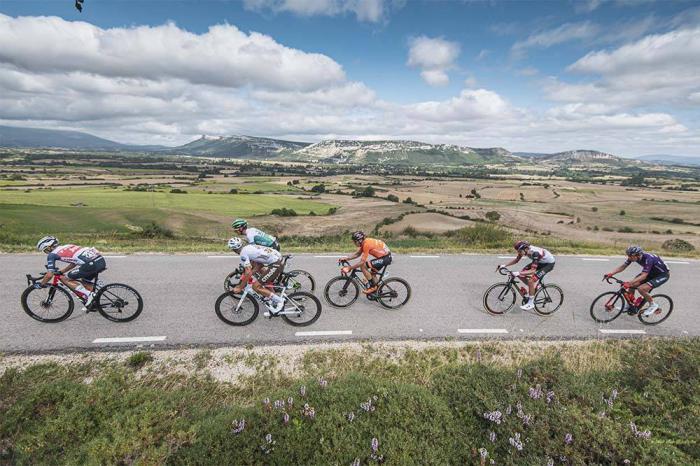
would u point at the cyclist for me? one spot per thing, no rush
(654, 274)
(89, 263)
(542, 263)
(255, 236)
(261, 265)
(370, 268)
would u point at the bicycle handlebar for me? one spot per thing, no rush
(504, 271)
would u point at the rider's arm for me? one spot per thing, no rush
(513, 261)
(639, 279)
(357, 254)
(619, 269)
(50, 268)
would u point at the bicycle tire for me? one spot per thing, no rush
(107, 294)
(235, 299)
(351, 288)
(303, 303)
(507, 295)
(229, 280)
(297, 273)
(52, 291)
(548, 293)
(612, 298)
(384, 297)
(657, 298)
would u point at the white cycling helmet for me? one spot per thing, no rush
(235, 243)
(46, 241)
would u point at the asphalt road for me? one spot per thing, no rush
(179, 293)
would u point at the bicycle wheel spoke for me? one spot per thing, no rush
(499, 298)
(665, 307)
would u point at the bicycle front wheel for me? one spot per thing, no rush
(232, 279)
(607, 307)
(234, 311)
(394, 293)
(118, 302)
(665, 308)
(50, 305)
(305, 308)
(548, 299)
(499, 298)
(341, 291)
(300, 280)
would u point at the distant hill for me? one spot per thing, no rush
(670, 159)
(237, 147)
(11, 136)
(577, 157)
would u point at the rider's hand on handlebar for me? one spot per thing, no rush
(516, 274)
(345, 270)
(38, 285)
(626, 285)
(499, 267)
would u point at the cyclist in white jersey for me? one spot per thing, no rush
(542, 263)
(89, 263)
(261, 265)
(254, 235)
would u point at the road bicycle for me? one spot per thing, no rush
(301, 308)
(343, 290)
(500, 298)
(54, 302)
(609, 305)
(298, 280)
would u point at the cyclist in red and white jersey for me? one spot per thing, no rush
(542, 263)
(89, 263)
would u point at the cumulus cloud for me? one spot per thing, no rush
(364, 10)
(434, 56)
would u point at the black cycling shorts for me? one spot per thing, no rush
(378, 264)
(542, 269)
(88, 270)
(658, 280)
(269, 273)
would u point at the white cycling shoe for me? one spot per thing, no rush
(274, 309)
(88, 301)
(530, 305)
(650, 310)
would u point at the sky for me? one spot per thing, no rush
(620, 76)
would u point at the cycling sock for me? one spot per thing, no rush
(82, 289)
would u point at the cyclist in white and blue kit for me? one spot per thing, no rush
(254, 235)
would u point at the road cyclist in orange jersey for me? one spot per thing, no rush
(381, 258)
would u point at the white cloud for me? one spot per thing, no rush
(564, 33)
(364, 10)
(434, 56)
(471, 104)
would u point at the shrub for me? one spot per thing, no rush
(233, 191)
(392, 198)
(332, 211)
(625, 230)
(284, 212)
(483, 235)
(408, 200)
(139, 359)
(492, 215)
(369, 191)
(319, 188)
(677, 245)
(178, 191)
(153, 230)
(410, 231)
(594, 209)
(622, 212)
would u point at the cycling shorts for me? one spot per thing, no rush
(542, 269)
(379, 263)
(658, 280)
(269, 273)
(88, 270)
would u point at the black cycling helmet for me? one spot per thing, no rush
(634, 250)
(520, 245)
(358, 236)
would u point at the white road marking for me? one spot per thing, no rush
(482, 330)
(128, 339)
(330, 257)
(114, 257)
(323, 333)
(425, 257)
(505, 257)
(222, 257)
(595, 259)
(676, 262)
(632, 332)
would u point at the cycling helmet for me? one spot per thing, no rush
(45, 242)
(235, 243)
(520, 245)
(634, 250)
(358, 236)
(239, 223)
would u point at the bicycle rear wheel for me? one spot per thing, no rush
(499, 298)
(301, 280)
(50, 305)
(230, 309)
(548, 299)
(665, 308)
(393, 293)
(341, 291)
(118, 302)
(607, 307)
(306, 306)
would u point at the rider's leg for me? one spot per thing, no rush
(644, 291)
(76, 285)
(366, 272)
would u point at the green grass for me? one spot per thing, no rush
(423, 407)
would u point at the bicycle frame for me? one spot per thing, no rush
(248, 290)
(56, 282)
(354, 274)
(512, 282)
(627, 294)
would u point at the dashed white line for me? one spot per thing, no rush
(114, 257)
(630, 332)
(128, 339)
(323, 333)
(482, 330)
(425, 257)
(505, 257)
(597, 259)
(677, 262)
(327, 257)
(222, 257)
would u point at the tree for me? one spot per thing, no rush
(319, 188)
(492, 215)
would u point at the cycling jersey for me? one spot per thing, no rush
(540, 255)
(651, 265)
(259, 254)
(259, 237)
(72, 254)
(373, 247)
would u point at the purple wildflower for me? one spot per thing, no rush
(237, 426)
(285, 419)
(643, 434)
(290, 401)
(515, 442)
(550, 396)
(568, 439)
(302, 390)
(626, 461)
(350, 416)
(536, 392)
(356, 462)
(484, 453)
(521, 413)
(478, 355)
(526, 420)
(367, 406)
(509, 410)
(492, 436)
(323, 383)
(550, 461)
(375, 445)
(268, 446)
(494, 416)
(279, 404)
(564, 459)
(520, 373)
(309, 411)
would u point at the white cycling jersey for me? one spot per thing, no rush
(540, 255)
(255, 236)
(259, 254)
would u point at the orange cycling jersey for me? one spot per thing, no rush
(374, 247)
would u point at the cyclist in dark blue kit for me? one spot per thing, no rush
(654, 274)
